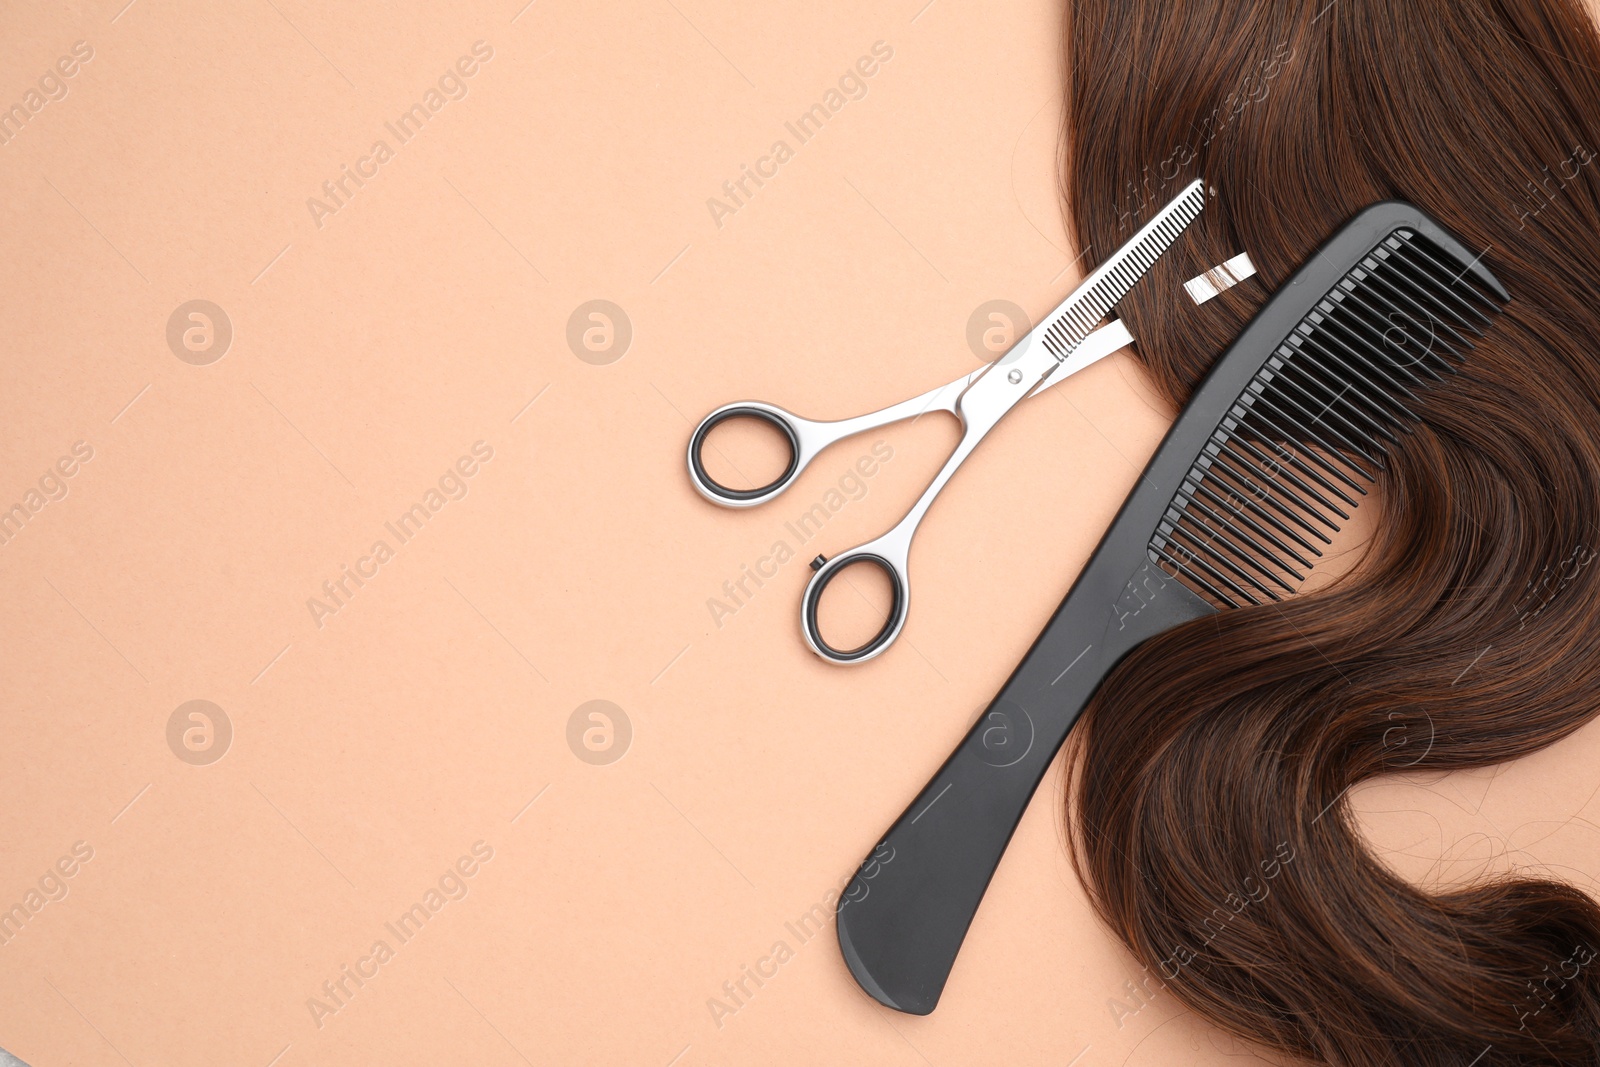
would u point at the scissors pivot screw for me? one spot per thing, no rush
(817, 563)
(1014, 377)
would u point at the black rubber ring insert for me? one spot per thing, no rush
(697, 444)
(881, 638)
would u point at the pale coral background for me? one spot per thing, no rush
(431, 712)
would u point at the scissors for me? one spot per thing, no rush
(1065, 342)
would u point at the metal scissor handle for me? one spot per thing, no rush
(979, 399)
(807, 438)
(992, 392)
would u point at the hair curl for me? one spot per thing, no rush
(1209, 773)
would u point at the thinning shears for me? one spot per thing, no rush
(1065, 342)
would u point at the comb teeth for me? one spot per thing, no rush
(1123, 271)
(1293, 455)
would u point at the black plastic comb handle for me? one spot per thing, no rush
(902, 920)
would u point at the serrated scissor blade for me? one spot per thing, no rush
(1064, 329)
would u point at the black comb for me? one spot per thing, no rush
(1272, 453)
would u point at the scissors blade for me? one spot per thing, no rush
(1102, 341)
(1065, 328)
(1108, 340)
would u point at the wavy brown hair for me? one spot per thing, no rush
(1210, 773)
